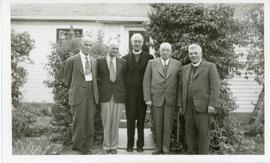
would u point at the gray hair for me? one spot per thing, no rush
(136, 35)
(195, 46)
(165, 44)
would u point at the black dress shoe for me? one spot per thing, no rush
(156, 152)
(113, 151)
(106, 152)
(76, 149)
(129, 149)
(139, 149)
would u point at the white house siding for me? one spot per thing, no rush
(44, 33)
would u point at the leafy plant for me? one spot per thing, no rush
(21, 45)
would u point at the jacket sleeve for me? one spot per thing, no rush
(214, 86)
(147, 82)
(68, 72)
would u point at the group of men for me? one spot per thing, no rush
(136, 82)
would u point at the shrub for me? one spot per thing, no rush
(21, 45)
(61, 110)
(34, 146)
(22, 119)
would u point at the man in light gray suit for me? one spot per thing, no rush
(80, 78)
(160, 86)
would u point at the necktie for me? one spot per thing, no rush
(87, 66)
(112, 71)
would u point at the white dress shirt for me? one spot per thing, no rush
(165, 62)
(108, 58)
(139, 52)
(196, 64)
(89, 76)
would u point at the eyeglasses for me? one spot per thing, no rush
(89, 45)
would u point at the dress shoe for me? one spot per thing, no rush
(76, 149)
(106, 152)
(113, 151)
(156, 152)
(129, 149)
(166, 151)
(139, 149)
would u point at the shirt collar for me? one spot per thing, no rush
(108, 57)
(196, 64)
(83, 55)
(164, 61)
(139, 52)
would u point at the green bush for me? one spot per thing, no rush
(34, 146)
(215, 29)
(21, 45)
(22, 119)
(61, 110)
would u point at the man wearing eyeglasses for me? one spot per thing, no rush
(80, 79)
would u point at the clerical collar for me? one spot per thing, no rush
(136, 52)
(196, 64)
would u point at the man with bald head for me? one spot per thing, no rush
(160, 85)
(135, 107)
(199, 87)
(80, 79)
(111, 71)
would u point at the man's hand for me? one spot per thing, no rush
(148, 103)
(211, 109)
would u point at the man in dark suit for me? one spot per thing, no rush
(135, 107)
(199, 86)
(80, 79)
(111, 71)
(160, 87)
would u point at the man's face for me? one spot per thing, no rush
(87, 46)
(137, 43)
(195, 55)
(113, 50)
(165, 52)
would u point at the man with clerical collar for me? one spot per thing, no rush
(199, 86)
(160, 85)
(111, 72)
(80, 79)
(135, 107)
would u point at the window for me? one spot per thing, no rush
(64, 32)
(146, 44)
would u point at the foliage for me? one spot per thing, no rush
(22, 119)
(212, 27)
(21, 45)
(255, 40)
(61, 110)
(215, 29)
(34, 146)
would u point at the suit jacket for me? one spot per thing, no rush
(144, 58)
(157, 87)
(108, 88)
(75, 79)
(204, 86)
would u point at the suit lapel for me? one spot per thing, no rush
(118, 66)
(187, 72)
(159, 67)
(105, 65)
(170, 67)
(79, 63)
(129, 61)
(199, 70)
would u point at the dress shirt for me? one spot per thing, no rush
(89, 76)
(108, 58)
(164, 62)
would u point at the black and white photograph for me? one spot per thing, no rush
(127, 81)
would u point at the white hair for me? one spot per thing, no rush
(112, 42)
(136, 35)
(165, 44)
(195, 46)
